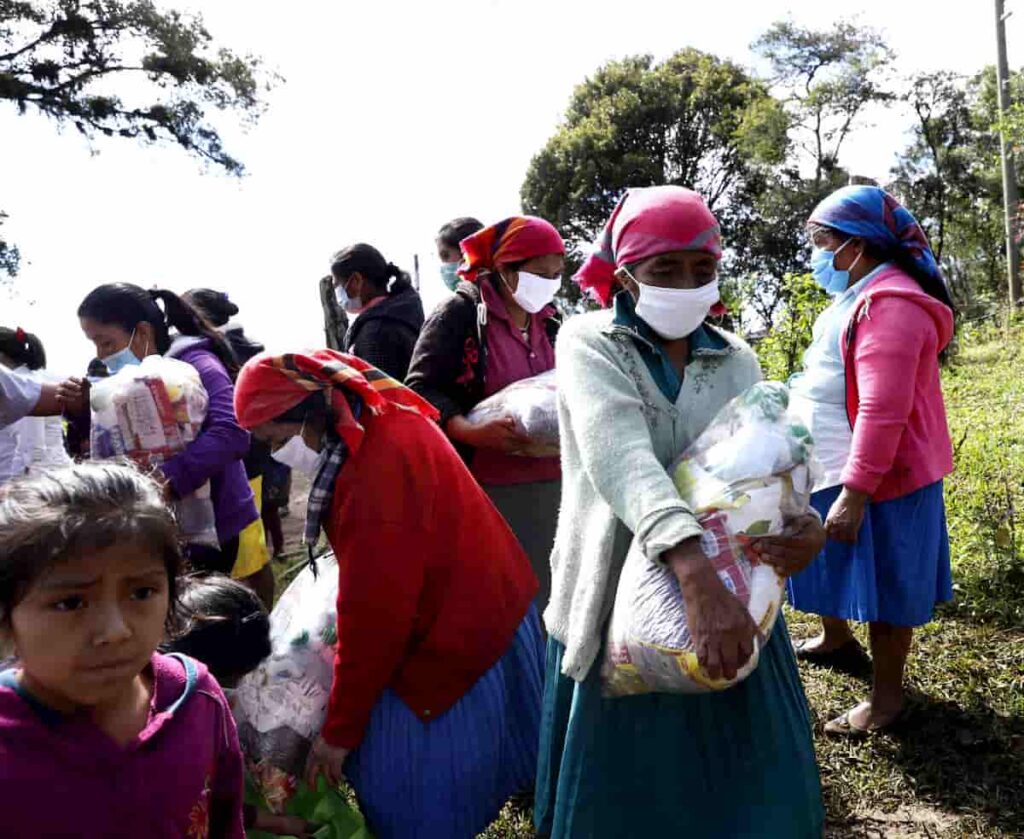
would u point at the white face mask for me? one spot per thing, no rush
(675, 312)
(351, 305)
(533, 292)
(296, 454)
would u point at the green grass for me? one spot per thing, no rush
(956, 767)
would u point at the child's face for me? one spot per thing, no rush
(88, 626)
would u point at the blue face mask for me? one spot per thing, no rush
(122, 358)
(826, 274)
(448, 275)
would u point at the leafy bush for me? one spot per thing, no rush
(781, 350)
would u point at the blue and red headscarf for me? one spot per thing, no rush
(872, 214)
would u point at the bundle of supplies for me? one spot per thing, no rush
(281, 706)
(148, 413)
(749, 472)
(532, 403)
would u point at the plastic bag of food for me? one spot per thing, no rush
(148, 413)
(281, 706)
(751, 469)
(532, 403)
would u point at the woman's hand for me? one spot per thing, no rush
(499, 434)
(798, 545)
(846, 516)
(73, 397)
(327, 760)
(721, 627)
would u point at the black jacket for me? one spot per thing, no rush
(450, 360)
(386, 334)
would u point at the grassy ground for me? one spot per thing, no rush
(956, 767)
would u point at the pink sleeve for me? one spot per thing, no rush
(228, 788)
(887, 350)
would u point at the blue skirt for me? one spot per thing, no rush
(449, 778)
(897, 571)
(739, 763)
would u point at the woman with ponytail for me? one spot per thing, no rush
(127, 323)
(389, 308)
(35, 443)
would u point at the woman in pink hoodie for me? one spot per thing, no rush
(871, 395)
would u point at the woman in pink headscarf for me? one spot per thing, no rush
(638, 382)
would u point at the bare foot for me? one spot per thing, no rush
(869, 718)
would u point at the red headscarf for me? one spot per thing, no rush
(515, 239)
(269, 385)
(647, 222)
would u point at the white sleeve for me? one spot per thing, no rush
(18, 395)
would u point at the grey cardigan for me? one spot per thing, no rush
(619, 434)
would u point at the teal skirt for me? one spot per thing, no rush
(739, 763)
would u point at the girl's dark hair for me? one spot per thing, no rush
(128, 305)
(223, 624)
(458, 229)
(63, 513)
(930, 285)
(215, 306)
(384, 276)
(22, 347)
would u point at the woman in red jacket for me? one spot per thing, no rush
(435, 708)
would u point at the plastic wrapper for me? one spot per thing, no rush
(751, 469)
(281, 706)
(532, 403)
(148, 413)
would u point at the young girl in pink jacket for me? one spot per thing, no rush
(871, 395)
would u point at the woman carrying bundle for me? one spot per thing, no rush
(435, 705)
(637, 384)
(499, 328)
(126, 324)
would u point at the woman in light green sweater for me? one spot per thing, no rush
(637, 384)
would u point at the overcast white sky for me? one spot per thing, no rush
(395, 117)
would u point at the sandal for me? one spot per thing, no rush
(849, 657)
(842, 726)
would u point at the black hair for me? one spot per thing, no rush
(90, 506)
(128, 305)
(384, 276)
(221, 623)
(97, 369)
(458, 229)
(313, 406)
(22, 347)
(931, 285)
(214, 305)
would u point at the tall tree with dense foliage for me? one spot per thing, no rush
(826, 78)
(122, 68)
(692, 120)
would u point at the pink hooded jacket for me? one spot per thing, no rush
(894, 398)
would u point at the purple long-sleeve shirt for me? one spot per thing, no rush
(216, 454)
(182, 776)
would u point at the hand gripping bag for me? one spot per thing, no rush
(751, 470)
(532, 403)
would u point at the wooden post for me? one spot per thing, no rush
(1011, 199)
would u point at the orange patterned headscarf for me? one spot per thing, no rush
(515, 239)
(270, 385)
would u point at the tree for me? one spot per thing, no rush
(826, 79)
(692, 120)
(949, 176)
(64, 59)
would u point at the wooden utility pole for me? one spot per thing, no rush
(1011, 199)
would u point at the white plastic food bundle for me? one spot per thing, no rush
(148, 413)
(750, 470)
(532, 403)
(281, 706)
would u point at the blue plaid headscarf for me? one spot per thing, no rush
(872, 214)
